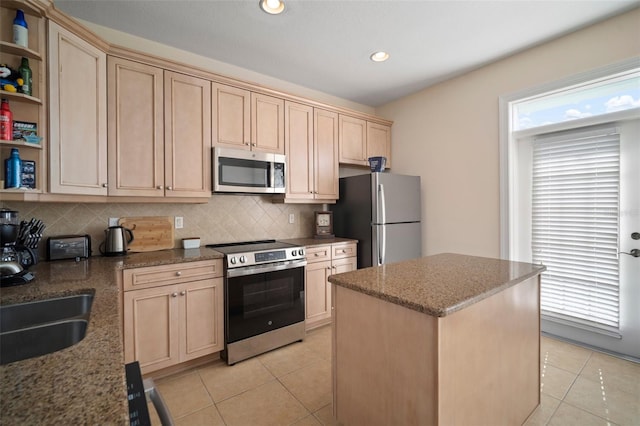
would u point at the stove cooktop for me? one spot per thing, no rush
(249, 246)
(258, 252)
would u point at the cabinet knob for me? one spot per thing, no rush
(253, 144)
(182, 293)
(160, 187)
(328, 268)
(174, 294)
(169, 188)
(105, 185)
(179, 273)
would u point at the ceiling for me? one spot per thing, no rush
(325, 45)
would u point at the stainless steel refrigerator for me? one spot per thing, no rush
(383, 212)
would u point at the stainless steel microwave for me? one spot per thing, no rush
(237, 170)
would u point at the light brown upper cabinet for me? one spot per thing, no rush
(361, 139)
(247, 120)
(325, 148)
(187, 140)
(78, 115)
(231, 122)
(159, 132)
(311, 145)
(379, 141)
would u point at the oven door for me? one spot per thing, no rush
(263, 298)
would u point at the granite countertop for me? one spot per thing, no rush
(438, 285)
(85, 383)
(308, 242)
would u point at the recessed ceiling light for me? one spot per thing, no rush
(379, 56)
(273, 7)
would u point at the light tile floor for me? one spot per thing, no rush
(292, 386)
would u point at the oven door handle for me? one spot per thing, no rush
(258, 269)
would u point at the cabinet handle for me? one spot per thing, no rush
(179, 273)
(160, 187)
(182, 293)
(105, 185)
(169, 188)
(174, 294)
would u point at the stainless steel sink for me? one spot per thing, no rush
(21, 315)
(38, 328)
(40, 340)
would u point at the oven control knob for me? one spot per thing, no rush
(301, 252)
(232, 260)
(243, 259)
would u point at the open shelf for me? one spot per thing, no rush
(21, 143)
(20, 96)
(15, 49)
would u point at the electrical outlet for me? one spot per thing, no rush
(179, 222)
(292, 218)
(113, 221)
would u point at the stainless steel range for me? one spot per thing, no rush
(264, 297)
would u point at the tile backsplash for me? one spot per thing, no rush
(225, 218)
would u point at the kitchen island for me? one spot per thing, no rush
(84, 383)
(441, 340)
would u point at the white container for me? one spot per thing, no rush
(190, 243)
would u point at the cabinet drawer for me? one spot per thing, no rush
(318, 253)
(153, 276)
(344, 250)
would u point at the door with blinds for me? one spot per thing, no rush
(585, 211)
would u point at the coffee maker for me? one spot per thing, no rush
(18, 248)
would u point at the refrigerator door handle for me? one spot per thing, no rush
(383, 245)
(382, 214)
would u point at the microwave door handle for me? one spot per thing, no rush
(272, 177)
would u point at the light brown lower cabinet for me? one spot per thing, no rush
(323, 261)
(173, 323)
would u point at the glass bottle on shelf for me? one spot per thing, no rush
(25, 74)
(20, 30)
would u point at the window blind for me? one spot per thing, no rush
(575, 223)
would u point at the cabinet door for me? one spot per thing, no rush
(317, 294)
(151, 327)
(325, 168)
(231, 116)
(202, 329)
(136, 128)
(353, 140)
(78, 116)
(187, 140)
(267, 123)
(298, 121)
(379, 141)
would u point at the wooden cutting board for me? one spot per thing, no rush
(150, 233)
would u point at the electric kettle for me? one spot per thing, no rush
(116, 241)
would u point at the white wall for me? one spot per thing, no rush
(162, 50)
(449, 133)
